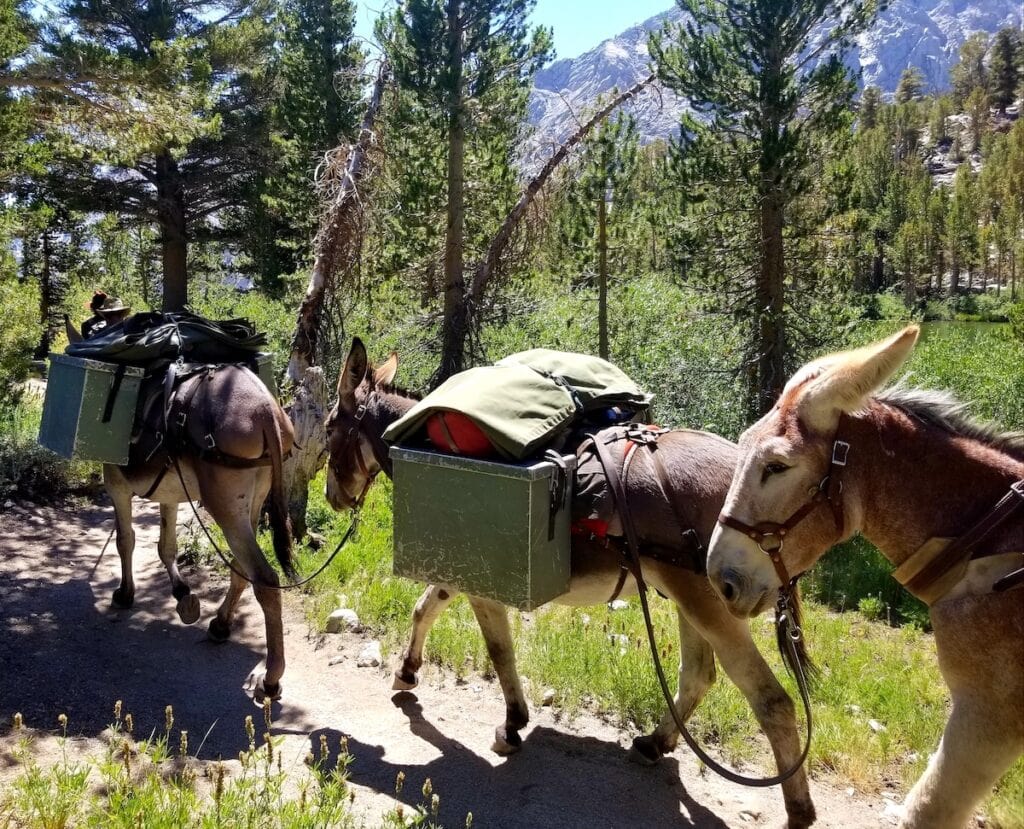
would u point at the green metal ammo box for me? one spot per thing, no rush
(495, 530)
(81, 418)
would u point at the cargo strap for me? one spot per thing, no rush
(115, 387)
(633, 546)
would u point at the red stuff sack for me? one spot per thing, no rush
(454, 432)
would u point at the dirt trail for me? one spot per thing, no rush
(64, 649)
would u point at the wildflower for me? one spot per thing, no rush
(469, 820)
(17, 722)
(63, 721)
(117, 711)
(218, 783)
(310, 759)
(250, 731)
(168, 718)
(400, 812)
(270, 748)
(428, 789)
(435, 804)
(323, 748)
(344, 746)
(399, 782)
(266, 712)
(129, 723)
(183, 745)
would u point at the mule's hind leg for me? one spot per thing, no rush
(429, 606)
(167, 547)
(220, 625)
(977, 746)
(493, 620)
(696, 675)
(121, 497)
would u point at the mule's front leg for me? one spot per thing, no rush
(121, 497)
(696, 675)
(493, 620)
(220, 625)
(188, 605)
(429, 606)
(977, 746)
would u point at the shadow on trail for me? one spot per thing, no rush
(557, 779)
(64, 649)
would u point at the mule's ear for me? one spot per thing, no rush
(843, 382)
(352, 374)
(385, 374)
(74, 335)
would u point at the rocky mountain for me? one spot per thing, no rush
(922, 33)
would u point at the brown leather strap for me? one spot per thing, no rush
(963, 547)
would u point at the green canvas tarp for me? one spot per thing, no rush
(526, 400)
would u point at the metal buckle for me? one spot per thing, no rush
(840, 449)
(1017, 488)
(180, 419)
(210, 442)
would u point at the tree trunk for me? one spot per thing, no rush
(170, 211)
(878, 266)
(336, 245)
(954, 275)
(45, 297)
(454, 327)
(337, 241)
(770, 321)
(602, 277)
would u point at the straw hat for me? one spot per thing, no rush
(108, 307)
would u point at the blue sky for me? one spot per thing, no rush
(579, 25)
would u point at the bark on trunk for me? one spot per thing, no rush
(335, 243)
(878, 266)
(454, 326)
(602, 277)
(45, 298)
(170, 211)
(770, 320)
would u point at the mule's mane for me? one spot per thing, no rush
(388, 388)
(942, 409)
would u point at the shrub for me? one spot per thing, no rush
(19, 335)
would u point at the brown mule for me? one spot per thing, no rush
(908, 470)
(699, 466)
(232, 410)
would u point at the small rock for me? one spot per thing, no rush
(618, 604)
(852, 709)
(876, 726)
(850, 792)
(335, 660)
(892, 812)
(8, 504)
(980, 820)
(585, 619)
(750, 815)
(548, 698)
(343, 619)
(369, 656)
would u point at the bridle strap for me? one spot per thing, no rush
(770, 535)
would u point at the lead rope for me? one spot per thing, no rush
(783, 621)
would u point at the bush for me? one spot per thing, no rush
(1015, 314)
(19, 336)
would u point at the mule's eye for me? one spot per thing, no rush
(773, 468)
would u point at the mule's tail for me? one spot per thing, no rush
(277, 503)
(799, 645)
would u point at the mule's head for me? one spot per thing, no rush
(353, 433)
(782, 476)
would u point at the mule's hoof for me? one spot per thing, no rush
(266, 690)
(218, 631)
(404, 681)
(800, 815)
(188, 609)
(645, 751)
(506, 741)
(122, 598)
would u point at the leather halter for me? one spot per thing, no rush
(380, 454)
(770, 535)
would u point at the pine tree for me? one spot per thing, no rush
(190, 146)
(910, 85)
(870, 103)
(315, 108)
(745, 65)
(603, 196)
(451, 54)
(970, 72)
(1004, 72)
